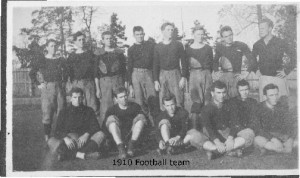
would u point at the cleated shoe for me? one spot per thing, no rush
(92, 156)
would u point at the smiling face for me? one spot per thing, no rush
(227, 37)
(80, 41)
(139, 36)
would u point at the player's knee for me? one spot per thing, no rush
(54, 144)
(98, 137)
(260, 141)
(112, 119)
(164, 122)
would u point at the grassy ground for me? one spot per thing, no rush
(29, 152)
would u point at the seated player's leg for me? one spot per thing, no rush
(260, 142)
(90, 150)
(195, 138)
(288, 145)
(165, 127)
(113, 125)
(244, 138)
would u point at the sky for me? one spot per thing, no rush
(148, 15)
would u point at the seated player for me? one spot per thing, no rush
(275, 131)
(77, 133)
(172, 127)
(122, 120)
(216, 129)
(242, 107)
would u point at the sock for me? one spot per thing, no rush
(47, 129)
(121, 147)
(92, 146)
(80, 155)
(131, 144)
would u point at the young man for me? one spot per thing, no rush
(140, 62)
(228, 61)
(241, 110)
(168, 55)
(172, 130)
(110, 73)
(122, 120)
(270, 51)
(274, 129)
(216, 128)
(54, 77)
(80, 67)
(77, 133)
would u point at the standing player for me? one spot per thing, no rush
(228, 61)
(140, 62)
(200, 57)
(270, 51)
(80, 67)
(168, 55)
(110, 73)
(52, 87)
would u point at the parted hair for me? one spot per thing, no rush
(242, 83)
(77, 34)
(76, 90)
(269, 87)
(119, 90)
(51, 40)
(137, 29)
(218, 84)
(164, 25)
(225, 29)
(106, 33)
(268, 21)
(197, 28)
(168, 97)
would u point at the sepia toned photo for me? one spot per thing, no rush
(152, 88)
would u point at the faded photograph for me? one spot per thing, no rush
(154, 86)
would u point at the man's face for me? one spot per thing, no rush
(227, 37)
(243, 91)
(219, 94)
(76, 99)
(168, 31)
(122, 99)
(272, 96)
(170, 106)
(264, 29)
(199, 35)
(80, 41)
(107, 40)
(139, 36)
(51, 48)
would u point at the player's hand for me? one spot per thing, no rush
(229, 144)
(156, 85)
(281, 74)
(98, 94)
(242, 75)
(216, 75)
(82, 140)
(42, 86)
(131, 91)
(174, 140)
(182, 83)
(71, 144)
(220, 147)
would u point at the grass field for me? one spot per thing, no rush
(29, 152)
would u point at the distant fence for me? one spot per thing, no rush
(22, 84)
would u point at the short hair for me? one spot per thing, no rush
(77, 34)
(218, 84)
(242, 83)
(197, 28)
(119, 90)
(168, 97)
(51, 40)
(164, 25)
(268, 21)
(76, 90)
(270, 86)
(137, 29)
(106, 33)
(225, 29)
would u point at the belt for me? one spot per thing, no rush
(141, 69)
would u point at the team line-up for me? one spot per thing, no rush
(223, 119)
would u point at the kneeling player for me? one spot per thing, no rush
(77, 133)
(275, 131)
(122, 120)
(172, 127)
